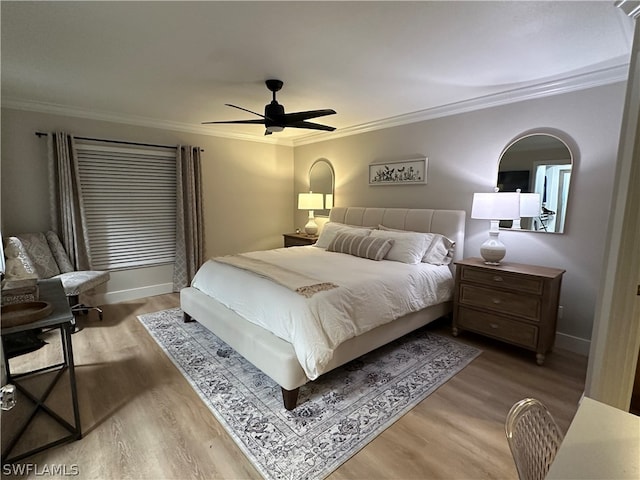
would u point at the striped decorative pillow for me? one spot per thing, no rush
(359, 246)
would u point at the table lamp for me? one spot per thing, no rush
(495, 207)
(328, 201)
(529, 207)
(310, 201)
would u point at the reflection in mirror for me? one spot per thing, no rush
(321, 180)
(538, 163)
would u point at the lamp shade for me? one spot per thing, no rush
(328, 201)
(310, 201)
(496, 206)
(530, 205)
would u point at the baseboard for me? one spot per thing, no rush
(132, 294)
(573, 344)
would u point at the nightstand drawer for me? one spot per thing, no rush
(522, 305)
(296, 242)
(503, 280)
(498, 327)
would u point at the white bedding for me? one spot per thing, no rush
(370, 294)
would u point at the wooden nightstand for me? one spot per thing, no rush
(299, 239)
(512, 302)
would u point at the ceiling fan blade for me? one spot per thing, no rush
(300, 116)
(259, 122)
(311, 125)
(244, 109)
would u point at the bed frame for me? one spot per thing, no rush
(276, 357)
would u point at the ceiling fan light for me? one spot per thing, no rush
(274, 128)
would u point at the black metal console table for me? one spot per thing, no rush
(60, 318)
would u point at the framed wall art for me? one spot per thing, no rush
(400, 172)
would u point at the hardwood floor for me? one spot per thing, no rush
(142, 420)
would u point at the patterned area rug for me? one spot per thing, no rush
(336, 416)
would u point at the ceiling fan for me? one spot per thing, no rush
(274, 118)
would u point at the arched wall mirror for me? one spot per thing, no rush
(537, 163)
(321, 180)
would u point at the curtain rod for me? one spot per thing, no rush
(44, 134)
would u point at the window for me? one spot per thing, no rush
(129, 196)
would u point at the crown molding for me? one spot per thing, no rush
(618, 73)
(56, 109)
(629, 7)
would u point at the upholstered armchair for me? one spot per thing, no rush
(42, 255)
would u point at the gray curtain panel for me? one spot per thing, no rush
(66, 206)
(189, 224)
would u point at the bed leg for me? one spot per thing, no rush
(290, 398)
(187, 318)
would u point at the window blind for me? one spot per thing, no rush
(129, 197)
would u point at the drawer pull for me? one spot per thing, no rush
(496, 301)
(498, 278)
(493, 325)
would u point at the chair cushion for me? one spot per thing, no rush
(59, 253)
(75, 283)
(40, 254)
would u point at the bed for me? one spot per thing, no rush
(282, 359)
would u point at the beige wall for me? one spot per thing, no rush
(463, 152)
(247, 194)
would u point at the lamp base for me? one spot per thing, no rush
(311, 228)
(493, 250)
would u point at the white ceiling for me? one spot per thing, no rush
(175, 64)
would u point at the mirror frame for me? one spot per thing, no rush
(325, 211)
(572, 158)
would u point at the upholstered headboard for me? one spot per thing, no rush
(449, 223)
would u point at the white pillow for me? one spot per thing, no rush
(408, 247)
(440, 251)
(439, 248)
(331, 229)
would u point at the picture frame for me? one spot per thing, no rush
(399, 172)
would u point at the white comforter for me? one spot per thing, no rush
(370, 294)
